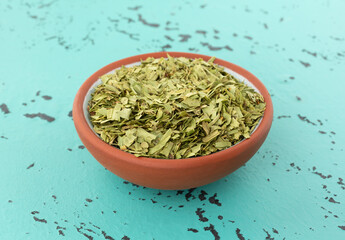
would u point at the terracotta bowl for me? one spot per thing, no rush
(169, 173)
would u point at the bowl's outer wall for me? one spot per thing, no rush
(177, 173)
(173, 178)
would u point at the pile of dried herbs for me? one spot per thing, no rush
(174, 108)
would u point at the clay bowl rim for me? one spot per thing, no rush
(116, 154)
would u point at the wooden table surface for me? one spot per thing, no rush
(52, 188)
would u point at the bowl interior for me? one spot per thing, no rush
(99, 81)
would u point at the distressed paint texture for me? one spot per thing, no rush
(52, 188)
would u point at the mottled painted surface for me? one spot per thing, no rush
(52, 188)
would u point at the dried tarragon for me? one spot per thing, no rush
(174, 108)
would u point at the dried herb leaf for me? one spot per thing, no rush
(165, 138)
(174, 108)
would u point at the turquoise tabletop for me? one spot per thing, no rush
(52, 188)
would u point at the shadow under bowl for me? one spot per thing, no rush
(170, 174)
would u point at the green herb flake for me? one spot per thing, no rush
(174, 108)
